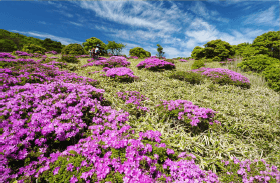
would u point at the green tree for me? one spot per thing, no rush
(245, 50)
(114, 47)
(218, 48)
(160, 53)
(92, 42)
(50, 45)
(7, 45)
(268, 43)
(73, 49)
(139, 52)
(197, 53)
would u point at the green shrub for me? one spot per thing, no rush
(173, 61)
(190, 77)
(257, 63)
(32, 48)
(197, 64)
(69, 59)
(272, 76)
(139, 52)
(216, 58)
(73, 49)
(7, 45)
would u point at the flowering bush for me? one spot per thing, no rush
(83, 56)
(114, 61)
(132, 99)
(192, 122)
(155, 64)
(6, 55)
(224, 76)
(122, 73)
(247, 171)
(133, 57)
(183, 60)
(52, 52)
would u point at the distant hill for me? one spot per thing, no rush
(10, 41)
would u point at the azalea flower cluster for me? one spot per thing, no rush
(133, 57)
(34, 71)
(22, 53)
(53, 57)
(193, 111)
(6, 55)
(219, 74)
(183, 60)
(228, 61)
(124, 72)
(133, 97)
(52, 52)
(155, 63)
(245, 170)
(82, 56)
(111, 62)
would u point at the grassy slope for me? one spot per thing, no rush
(250, 118)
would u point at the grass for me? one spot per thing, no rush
(250, 124)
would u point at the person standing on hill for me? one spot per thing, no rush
(93, 52)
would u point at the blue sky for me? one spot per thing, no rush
(178, 26)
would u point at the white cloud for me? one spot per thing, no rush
(42, 22)
(266, 17)
(74, 23)
(64, 41)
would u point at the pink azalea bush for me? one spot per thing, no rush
(183, 60)
(114, 61)
(228, 61)
(132, 99)
(133, 57)
(193, 114)
(122, 73)
(224, 76)
(155, 64)
(6, 55)
(52, 52)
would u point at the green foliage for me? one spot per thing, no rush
(73, 49)
(160, 52)
(218, 48)
(114, 47)
(228, 173)
(92, 42)
(197, 64)
(51, 45)
(257, 63)
(69, 59)
(272, 76)
(245, 50)
(7, 45)
(268, 43)
(197, 53)
(19, 39)
(190, 77)
(139, 52)
(32, 48)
